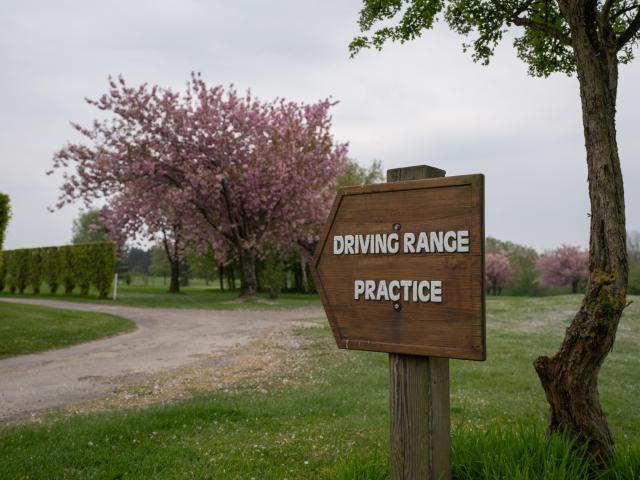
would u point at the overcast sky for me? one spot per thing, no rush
(423, 102)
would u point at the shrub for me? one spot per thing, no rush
(3, 271)
(273, 274)
(84, 265)
(67, 268)
(35, 269)
(51, 268)
(18, 270)
(104, 261)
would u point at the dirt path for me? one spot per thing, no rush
(166, 339)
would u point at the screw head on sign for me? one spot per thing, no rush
(397, 307)
(396, 227)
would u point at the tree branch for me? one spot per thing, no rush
(590, 9)
(515, 18)
(630, 32)
(542, 27)
(622, 11)
(606, 9)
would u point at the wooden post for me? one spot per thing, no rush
(420, 429)
(115, 286)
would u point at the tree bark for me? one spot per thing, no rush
(221, 277)
(173, 256)
(570, 377)
(248, 282)
(174, 284)
(303, 270)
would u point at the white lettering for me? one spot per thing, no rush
(393, 245)
(381, 243)
(436, 242)
(394, 285)
(448, 245)
(409, 239)
(399, 290)
(436, 291)
(348, 245)
(423, 243)
(406, 285)
(383, 293)
(369, 288)
(463, 241)
(338, 244)
(423, 287)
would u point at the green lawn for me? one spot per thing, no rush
(28, 329)
(198, 295)
(325, 416)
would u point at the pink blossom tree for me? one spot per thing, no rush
(248, 172)
(565, 266)
(498, 271)
(137, 215)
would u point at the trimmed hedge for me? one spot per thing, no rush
(83, 266)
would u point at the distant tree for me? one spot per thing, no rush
(88, 228)
(523, 260)
(138, 261)
(634, 279)
(498, 270)
(356, 174)
(591, 39)
(633, 246)
(273, 273)
(202, 264)
(159, 265)
(566, 266)
(5, 216)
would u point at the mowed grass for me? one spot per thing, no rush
(154, 294)
(29, 329)
(326, 416)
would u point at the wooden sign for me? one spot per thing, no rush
(400, 267)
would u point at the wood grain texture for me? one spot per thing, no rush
(420, 424)
(454, 328)
(419, 410)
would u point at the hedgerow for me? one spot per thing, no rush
(82, 266)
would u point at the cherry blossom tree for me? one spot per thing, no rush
(138, 216)
(248, 172)
(563, 267)
(498, 271)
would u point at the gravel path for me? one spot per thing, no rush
(166, 339)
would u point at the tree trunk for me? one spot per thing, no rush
(173, 256)
(570, 377)
(221, 277)
(248, 282)
(303, 269)
(174, 284)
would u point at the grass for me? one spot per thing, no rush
(150, 292)
(326, 416)
(28, 329)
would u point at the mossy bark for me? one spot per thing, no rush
(570, 377)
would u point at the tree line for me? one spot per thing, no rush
(514, 269)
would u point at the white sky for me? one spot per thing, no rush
(423, 102)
